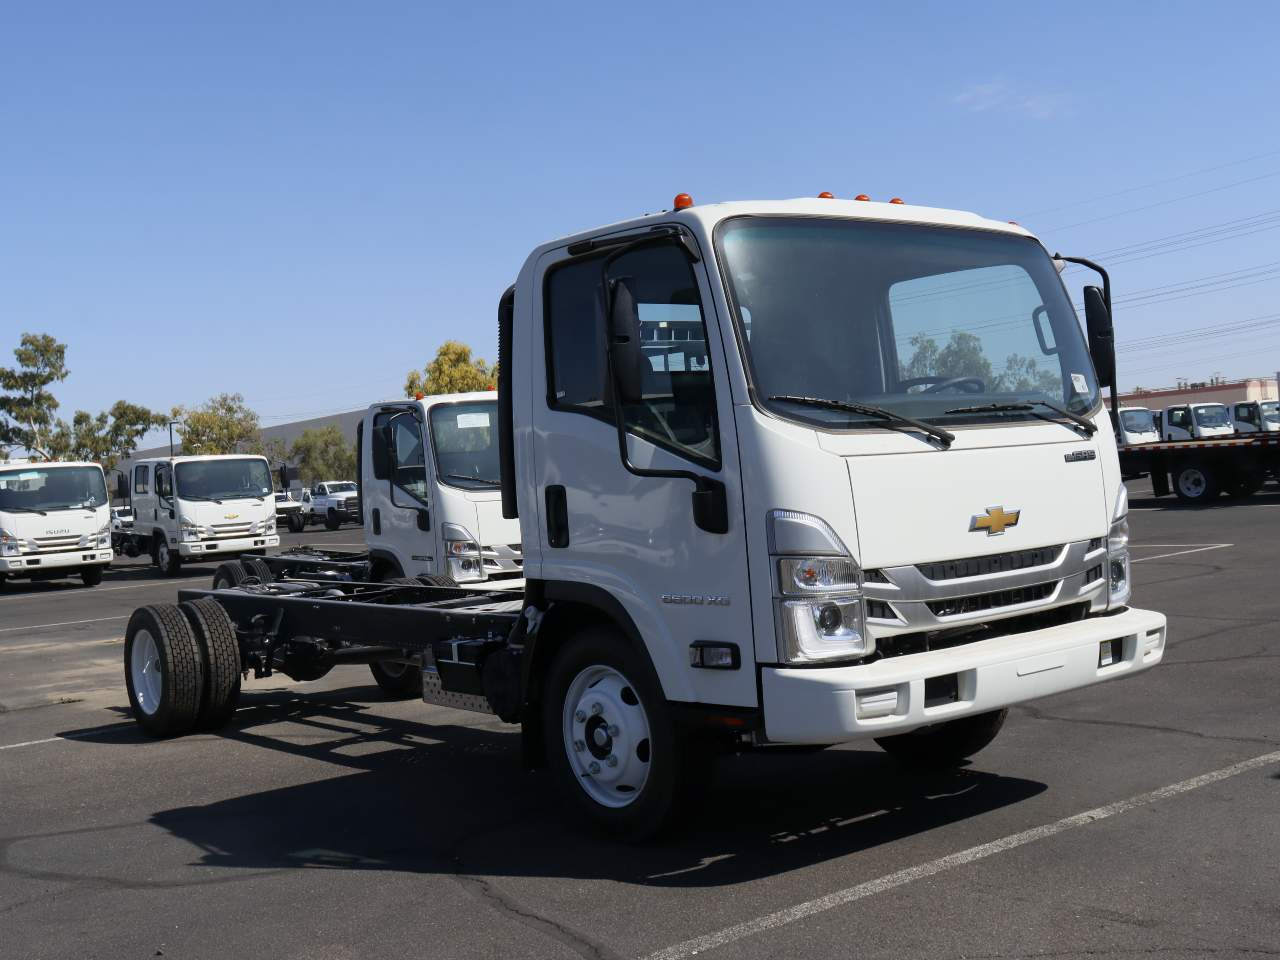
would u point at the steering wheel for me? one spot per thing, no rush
(938, 384)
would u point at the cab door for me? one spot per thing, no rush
(1178, 424)
(399, 502)
(1247, 418)
(609, 536)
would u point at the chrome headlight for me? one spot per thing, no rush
(462, 551)
(104, 534)
(10, 545)
(820, 614)
(1119, 586)
(190, 530)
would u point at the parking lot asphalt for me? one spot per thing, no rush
(1131, 819)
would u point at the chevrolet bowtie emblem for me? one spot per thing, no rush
(994, 520)
(232, 516)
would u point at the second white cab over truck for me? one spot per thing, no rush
(1256, 416)
(1196, 421)
(55, 521)
(778, 482)
(199, 509)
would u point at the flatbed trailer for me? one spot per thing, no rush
(1198, 470)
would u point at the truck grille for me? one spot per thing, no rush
(225, 531)
(57, 544)
(353, 508)
(990, 601)
(993, 563)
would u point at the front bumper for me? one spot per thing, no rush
(834, 704)
(217, 548)
(35, 562)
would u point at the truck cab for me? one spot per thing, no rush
(429, 480)
(1136, 425)
(1197, 421)
(55, 521)
(1256, 416)
(191, 509)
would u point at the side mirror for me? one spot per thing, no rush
(1102, 344)
(626, 361)
(122, 488)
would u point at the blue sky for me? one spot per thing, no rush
(300, 201)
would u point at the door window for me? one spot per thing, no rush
(398, 450)
(1180, 418)
(678, 410)
(141, 478)
(164, 484)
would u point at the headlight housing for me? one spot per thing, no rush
(462, 553)
(820, 614)
(190, 531)
(104, 534)
(1119, 585)
(10, 545)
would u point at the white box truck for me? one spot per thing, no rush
(778, 482)
(55, 521)
(199, 509)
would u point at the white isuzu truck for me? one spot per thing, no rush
(786, 472)
(200, 509)
(55, 521)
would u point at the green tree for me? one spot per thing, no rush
(452, 371)
(322, 453)
(1025, 375)
(106, 438)
(27, 407)
(223, 424)
(961, 357)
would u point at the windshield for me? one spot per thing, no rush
(51, 488)
(1270, 411)
(919, 320)
(341, 487)
(222, 479)
(1212, 415)
(464, 437)
(1137, 421)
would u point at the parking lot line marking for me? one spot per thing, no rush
(861, 891)
(30, 743)
(64, 623)
(1179, 553)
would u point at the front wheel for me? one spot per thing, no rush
(91, 576)
(331, 520)
(166, 558)
(944, 745)
(610, 736)
(398, 679)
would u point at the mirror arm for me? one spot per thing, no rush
(1106, 298)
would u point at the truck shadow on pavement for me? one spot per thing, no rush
(453, 799)
(1271, 497)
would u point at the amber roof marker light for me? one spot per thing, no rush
(862, 196)
(826, 195)
(897, 200)
(682, 201)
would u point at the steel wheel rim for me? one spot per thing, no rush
(1192, 482)
(162, 555)
(144, 666)
(607, 736)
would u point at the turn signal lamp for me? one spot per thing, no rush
(826, 195)
(682, 201)
(862, 196)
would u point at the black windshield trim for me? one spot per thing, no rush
(744, 351)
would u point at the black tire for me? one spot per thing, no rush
(1195, 482)
(397, 679)
(170, 667)
(1244, 484)
(92, 576)
(331, 520)
(229, 575)
(437, 580)
(944, 745)
(670, 769)
(166, 559)
(295, 522)
(216, 635)
(256, 567)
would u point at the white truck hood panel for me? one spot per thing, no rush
(58, 523)
(246, 511)
(917, 507)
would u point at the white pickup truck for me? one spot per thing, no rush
(759, 501)
(192, 509)
(331, 502)
(55, 521)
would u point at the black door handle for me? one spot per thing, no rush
(377, 522)
(557, 517)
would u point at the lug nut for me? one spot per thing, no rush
(613, 729)
(594, 767)
(611, 760)
(579, 745)
(580, 716)
(595, 709)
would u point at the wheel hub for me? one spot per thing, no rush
(602, 711)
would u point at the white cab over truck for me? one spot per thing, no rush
(786, 472)
(1197, 421)
(1136, 425)
(1256, 416)
(55, 521)
(200, 509)
(331, 502)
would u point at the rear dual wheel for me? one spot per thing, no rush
(1195, 482)
(296, 522)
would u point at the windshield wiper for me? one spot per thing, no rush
(188, 496)
(1028, 406)
(463, 476)
(894, 421)
(24, 510)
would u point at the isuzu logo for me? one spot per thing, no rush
(994, 521)
(57, 533)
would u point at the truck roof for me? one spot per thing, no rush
(435, 399)
(708, 215)
(42, 464)
(189, 459)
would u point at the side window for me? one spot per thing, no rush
(399, 456)
(1244, 412)
(164, 488)
(678, 411)
(141, 478)
(1179, 418)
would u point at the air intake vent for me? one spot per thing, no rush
(994, 563)
(991, 601)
